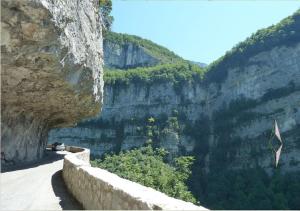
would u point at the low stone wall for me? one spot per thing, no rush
(96, 188)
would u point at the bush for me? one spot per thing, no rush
(147, 167)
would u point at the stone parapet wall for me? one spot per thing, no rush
(96, 188)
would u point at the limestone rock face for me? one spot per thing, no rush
(224, 120)
(51, 71)
(126, 55)
(270, 83)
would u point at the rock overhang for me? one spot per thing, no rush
(51, 70)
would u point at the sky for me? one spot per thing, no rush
(198, 30)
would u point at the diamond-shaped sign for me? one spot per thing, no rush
(278, 136)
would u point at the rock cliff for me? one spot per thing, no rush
(123, 51)
(224, 120)
(126, 55)
(51, 71)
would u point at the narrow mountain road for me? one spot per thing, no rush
(38, 186)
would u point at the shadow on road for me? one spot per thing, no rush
(49, 157)
(68, 202)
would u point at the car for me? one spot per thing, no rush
(58, 146)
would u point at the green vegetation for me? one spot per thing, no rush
(174, 73)
(235, 108)
(280, 92)
(238, 112)
(147, 167)
(249, 189)
(105, 9)
(163, 54)
(173, 68)
(286, 32)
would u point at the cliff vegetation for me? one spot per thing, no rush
(147, 166)
(173, 73)
(163, 54)
(286, 32)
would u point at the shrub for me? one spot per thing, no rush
(147, 167)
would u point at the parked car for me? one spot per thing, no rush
(58, 146)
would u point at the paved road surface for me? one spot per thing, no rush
(37, 187)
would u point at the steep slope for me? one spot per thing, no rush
(51, 71)
(233, 108)
(123, 51)
(200, 64)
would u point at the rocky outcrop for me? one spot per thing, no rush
(126, 55)
(265, 89)
(51, 71)
(124, 51)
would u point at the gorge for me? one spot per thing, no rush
(233, 106)
(55, 88)
(223, 114)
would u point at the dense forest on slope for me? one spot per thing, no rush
(147, 167)
(161, 73)
(286, 32)
(247, 189)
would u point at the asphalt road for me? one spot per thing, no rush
(37, 186)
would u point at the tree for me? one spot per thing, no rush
(105, 10)
(147, 167)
